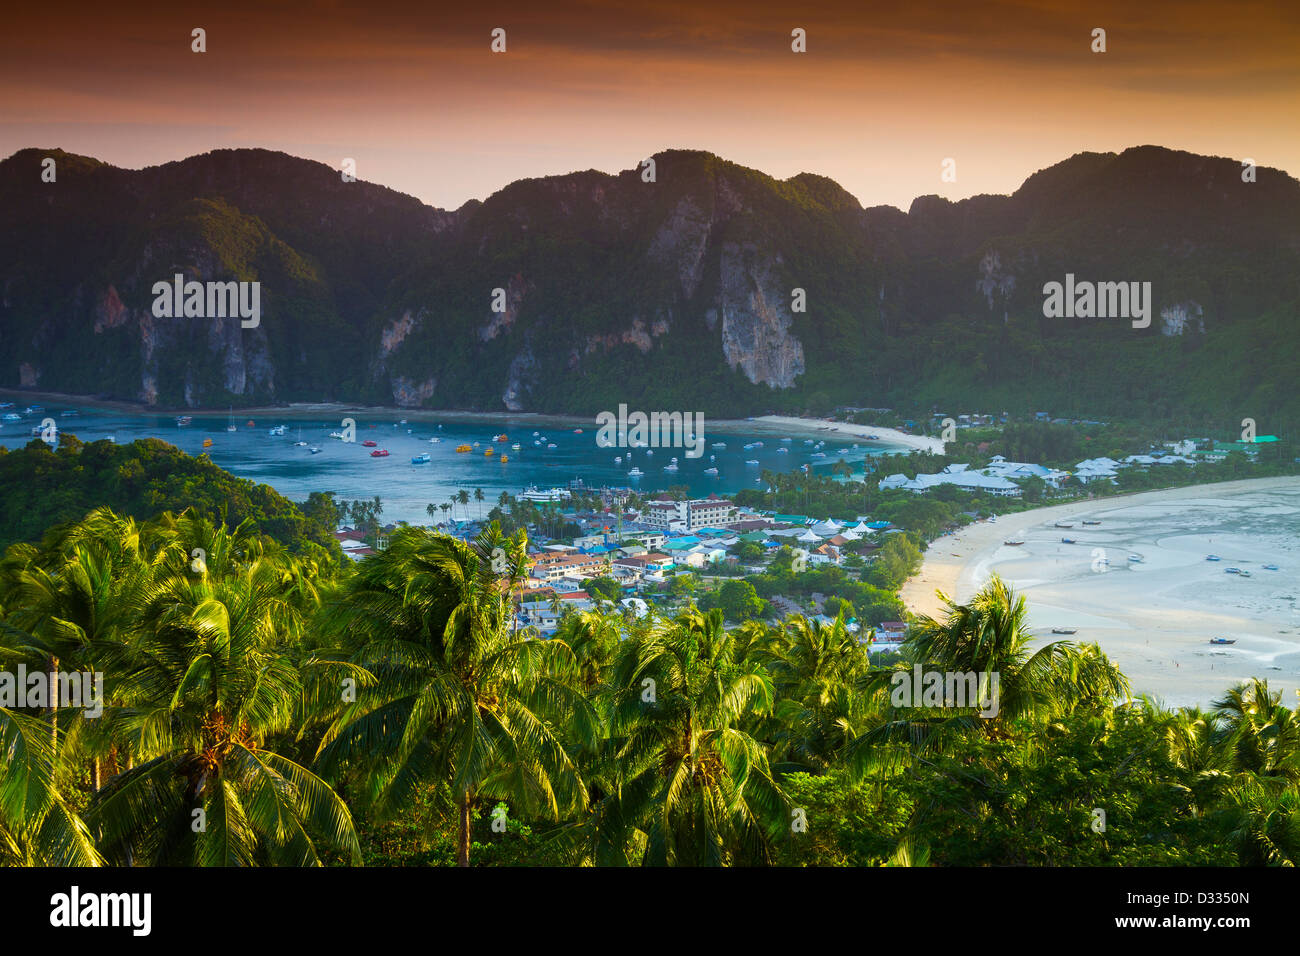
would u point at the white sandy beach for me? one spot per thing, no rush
(891, 435)
(1154, 618)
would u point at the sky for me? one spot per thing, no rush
(885, 93)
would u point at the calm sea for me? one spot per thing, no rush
(350, 472)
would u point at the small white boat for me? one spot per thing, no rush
(618, 460)
(670, 468)
(783, 451)
(515, 447)
(710, 471)
(337, 435)
(635, 472)
(551, 445)
(787, 439)
(11, 417)
(719, 444)
(434, 441)
(752, 461)
(650, 452)
(315, 449)
(277, 431)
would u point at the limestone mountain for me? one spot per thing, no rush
(679, 293)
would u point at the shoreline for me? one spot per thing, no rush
(1154, 616)
(294, 410)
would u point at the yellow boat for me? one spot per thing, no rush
(504, 459)
(207, 443)
(462, 448)
(489, 453)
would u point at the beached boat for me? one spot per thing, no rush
(1013, 544)
(1222, 640)
(1212, 557)
(1245, 574)
(1068, 541)
(1271, 567)
(420, 460)
(379, 453)
(1232, 570)
(1065, 524)
(1098, 521)
(1065, 630)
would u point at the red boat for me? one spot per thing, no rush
(369, 444)
(380, 453)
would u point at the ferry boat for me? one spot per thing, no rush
(420, 460)
(379, 453)
(207, 443)
(461, 449)
(369, 443)
(551, 494)
(1222, 640)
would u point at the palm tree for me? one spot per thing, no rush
(208, 687)
(461, 700)
(463, 497)
(683, 784)
(478, 496)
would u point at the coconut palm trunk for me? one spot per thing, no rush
(462, 841)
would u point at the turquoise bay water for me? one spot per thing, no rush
(350, 472)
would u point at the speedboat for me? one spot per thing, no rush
(379, 453)
(369, 443)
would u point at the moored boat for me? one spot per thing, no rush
(1065, 630)
(1222, 640)
(379, 453)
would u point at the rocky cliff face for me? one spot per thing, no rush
(676, 293)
